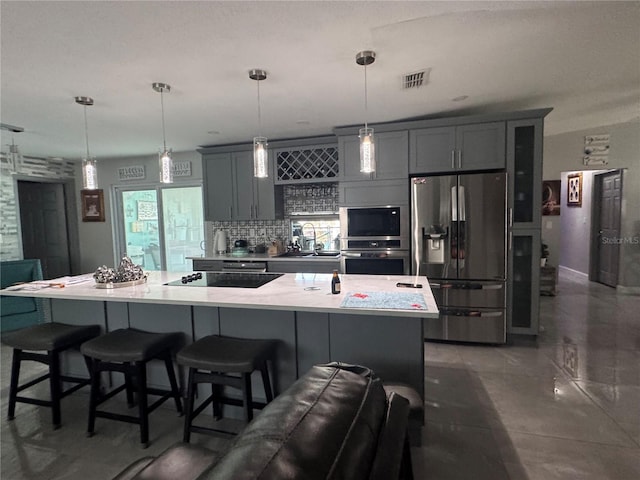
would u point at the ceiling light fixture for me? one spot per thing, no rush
(367, 143)
(15, 158)
(260, 154)
(164, 158)
(89, 163)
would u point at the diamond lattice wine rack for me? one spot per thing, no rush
(319, 163)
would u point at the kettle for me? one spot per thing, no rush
(220, 242)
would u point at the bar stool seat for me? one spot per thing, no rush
(128, 351)
(225, 361)
(53, 338)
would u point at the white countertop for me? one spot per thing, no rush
(307, 292)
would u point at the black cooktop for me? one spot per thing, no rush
(225, 279)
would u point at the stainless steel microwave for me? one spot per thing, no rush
(384, 227)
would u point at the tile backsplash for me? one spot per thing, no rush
(309, 198)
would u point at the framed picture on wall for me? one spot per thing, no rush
(92, 205)
(551, 197)
(574, 190)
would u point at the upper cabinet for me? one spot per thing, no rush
(524, 163)
(392, 153)
(232, 192)
(457, 148)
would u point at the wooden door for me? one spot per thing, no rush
(44, 227)
(609, 202)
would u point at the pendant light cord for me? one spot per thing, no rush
(259, 113)
(365, 97)
(86, 131)
(164, 139)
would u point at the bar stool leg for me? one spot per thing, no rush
(216, 395)
(191, 388)
(13, 389)
(93, 397)
(246, 397)
(141, 377)
(128, 384)
(264, 371)
(172, 381)
(54, 383)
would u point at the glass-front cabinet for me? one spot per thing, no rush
(524, 285)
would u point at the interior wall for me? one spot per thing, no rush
(97, 242)
(563, 153)
(575, 227)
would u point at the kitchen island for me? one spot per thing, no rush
(312, 325)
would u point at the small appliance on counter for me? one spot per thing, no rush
(220, 242)
(240, 248)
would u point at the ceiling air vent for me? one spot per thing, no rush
(415, 79)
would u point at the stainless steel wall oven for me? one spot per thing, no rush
(375, 240)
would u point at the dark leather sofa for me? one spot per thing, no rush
(335, 422)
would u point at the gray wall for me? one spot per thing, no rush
(563, 153)
(97, 242)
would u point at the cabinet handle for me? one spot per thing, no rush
(230, 212)
(510, 217)
(459, 158)
(510, 241)
(453, 159)
(256, 207)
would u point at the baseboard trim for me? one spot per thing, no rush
(627, 290)
(571, 271)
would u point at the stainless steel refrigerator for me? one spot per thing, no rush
(459, 241)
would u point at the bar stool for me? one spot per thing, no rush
(224, 361)
(52, 338)
(128, 351)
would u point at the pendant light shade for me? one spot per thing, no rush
(260, 153)
(89, 163)
(367, 142)
(15, 158)
(165, 160)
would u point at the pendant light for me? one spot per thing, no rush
(89, 163)
(260, 154)
(164, 158)
(367, 143)
(15, 158)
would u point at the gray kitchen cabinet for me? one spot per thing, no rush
(232, 192)
(524, 282)
(218, 186)
(374, 193)
(478, 146)
(206, 265)
(392, 154)
(524, 164)
(303, 266)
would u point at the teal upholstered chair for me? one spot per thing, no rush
(19, 312)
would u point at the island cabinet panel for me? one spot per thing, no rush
(161, 319)
(313, 340)
(457, 148)
(232, 193)
(77, 312)
(389, 346)
(392, 156)
(273, 324)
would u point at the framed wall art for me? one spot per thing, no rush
(551, 197)
(92, 205)
(574, 190)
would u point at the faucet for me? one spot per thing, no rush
(315, 248)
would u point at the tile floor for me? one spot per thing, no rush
(565, 408)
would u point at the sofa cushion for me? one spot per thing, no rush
(325, 426)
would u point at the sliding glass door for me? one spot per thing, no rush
(159, 227)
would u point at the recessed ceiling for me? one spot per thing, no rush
(581, 58)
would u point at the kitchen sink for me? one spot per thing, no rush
(307, 254)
